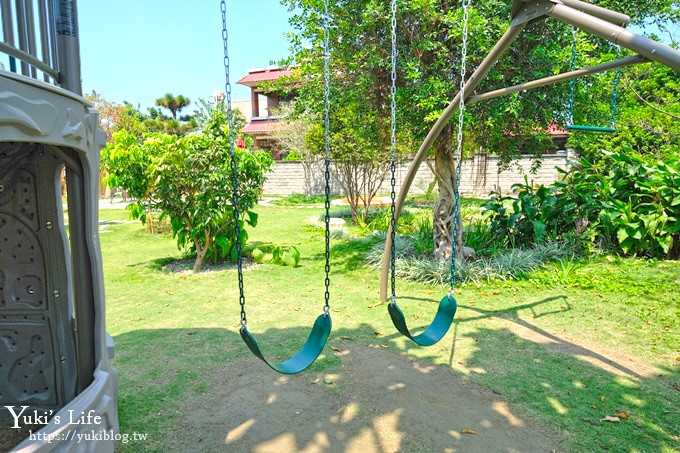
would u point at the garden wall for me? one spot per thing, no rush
(481, 176)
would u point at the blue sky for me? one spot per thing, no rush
(137, 51)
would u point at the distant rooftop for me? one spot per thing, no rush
(259, 127)
(256, 76)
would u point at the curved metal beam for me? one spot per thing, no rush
(628, 61)
(583, 17)
(639, 44)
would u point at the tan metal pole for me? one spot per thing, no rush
(628, 61)
(642, 45)
(614, 17)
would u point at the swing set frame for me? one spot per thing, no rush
(592, 19)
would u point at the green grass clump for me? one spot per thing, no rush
(300, 199)
(507, 264)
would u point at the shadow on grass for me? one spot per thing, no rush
(200, 389)
(350, 255)
(191, 388)
(573, 391)
(577, 387)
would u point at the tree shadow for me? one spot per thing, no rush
(199, 389)
(356, 397)
(577, 389)
(349, 256)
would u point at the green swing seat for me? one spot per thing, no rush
(576, 127)
(305, 356)
(436, 330)
(318, 337)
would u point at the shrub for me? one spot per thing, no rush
(508, 264)
(285, 255)
(188, 180)
(629, 200)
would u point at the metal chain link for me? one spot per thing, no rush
(572, 82)
(615, 90)
(459, 146)
(327, 127)
(234, 166)
(393, 163)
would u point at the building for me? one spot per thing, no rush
(260, 112)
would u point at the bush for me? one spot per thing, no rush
(285, 255)
(508, 264)
(188, 180)
(300, 199)
(629, 200)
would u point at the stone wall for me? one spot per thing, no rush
(481, 176)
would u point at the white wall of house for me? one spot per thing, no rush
(481, 176)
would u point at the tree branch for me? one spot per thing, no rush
(649, 104)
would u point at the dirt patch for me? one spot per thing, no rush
(379, 402)
(187, 266)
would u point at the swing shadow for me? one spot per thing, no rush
(551, 340)
(359, 396)
(200, 389)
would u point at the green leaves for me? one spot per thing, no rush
(188, 179)
(629, 200)
(276, 254)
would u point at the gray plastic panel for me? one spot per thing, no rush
(22, 281)
(42, 129)
(26, 362)
(37, 346)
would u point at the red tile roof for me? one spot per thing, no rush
(262, 75)
(555, 129)
(256, 127)
(552, 129)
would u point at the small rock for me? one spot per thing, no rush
(336, 222)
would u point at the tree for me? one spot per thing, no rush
(188, 180)
(204, 114)
(114, 117)
(360, 106)
(173, 103)
(294, 140)
(429, 42)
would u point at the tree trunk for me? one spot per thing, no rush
(443, 213)
(201, 252)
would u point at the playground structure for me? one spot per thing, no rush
(55, 353)
(592, 19)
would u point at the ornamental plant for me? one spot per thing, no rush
(189, 181)
(628, 201)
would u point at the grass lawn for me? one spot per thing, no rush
(566, 348)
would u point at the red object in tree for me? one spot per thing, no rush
(240, 143)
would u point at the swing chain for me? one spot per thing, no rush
(393, 163)
(615, 90)
(234, 166)
(572, 82)
(327, 127)
(459, 146)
